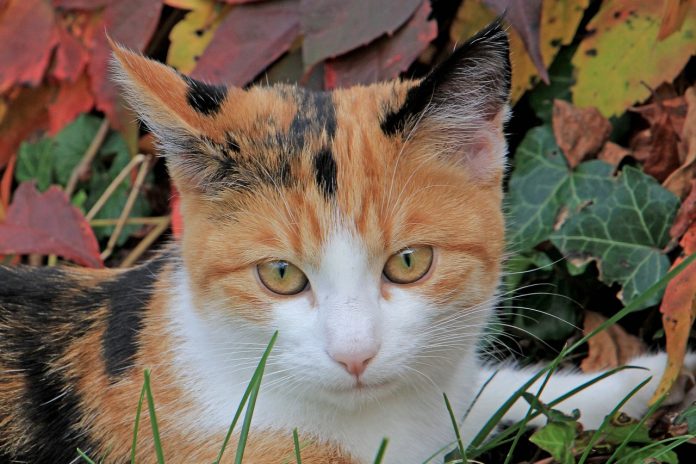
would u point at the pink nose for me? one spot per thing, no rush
(355, 362)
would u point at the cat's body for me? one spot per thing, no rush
(364, 225)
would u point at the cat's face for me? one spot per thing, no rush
(364, 224)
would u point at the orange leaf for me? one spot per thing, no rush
(610, 348)
(678, 312)
(5, 187)
(673, 17)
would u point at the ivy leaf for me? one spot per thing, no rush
(540, 174)
(35, 162)
(624, 231)
(558, 439)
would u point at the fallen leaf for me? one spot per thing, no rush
(621, 55)
(525, 17)
(24, 61)
(673, 17)
(386, 57)
(71, 57)
(675, 107)
(72, 99)
(686, 216)
(611, 347)
(333, 27)
(80, 4)
(190, 36)
(613, 153)
(580, 132)
(678, 182)
(657, 147)
(48, 224)
(27, 114)
(559, 21)
(6, 186)
(250, 38)
(678, 310)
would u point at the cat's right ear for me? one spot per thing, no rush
(181, 112)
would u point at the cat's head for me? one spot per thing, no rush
(364, 224)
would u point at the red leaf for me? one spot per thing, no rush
(26, 114)
(48, 224)
(72, 99)
(385, 58)
(525, 17)
(23, 58)
(71, 57)
(334, 27)
(130, 23)
(5, 186)
(80, 4)
(177, 220)
(250, 38)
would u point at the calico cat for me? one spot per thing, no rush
(364, 224)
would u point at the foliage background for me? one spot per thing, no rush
(601, 197)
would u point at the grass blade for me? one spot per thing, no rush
(85, 457)
(296, 441)
(608, 418)
(462, 450)
(380, 452)
(635, 428)
(153, 419)
(247, 393)
(137, 424)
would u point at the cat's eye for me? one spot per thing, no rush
(282, 277)
(409, 265)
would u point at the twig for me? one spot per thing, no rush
(87, 158)
(146, 242)
(137, 159)
(126, 210)
(154, 220)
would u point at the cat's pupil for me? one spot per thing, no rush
(406, 256)
(282, 268)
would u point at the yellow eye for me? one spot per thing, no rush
(409, 265)
(282, 277)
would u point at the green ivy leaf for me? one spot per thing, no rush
(35, 162)
(540, 174)
(557, 439)
(72, 143)
(624, 229)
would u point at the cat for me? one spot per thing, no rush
(365, 225)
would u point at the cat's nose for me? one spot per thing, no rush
(355, 362)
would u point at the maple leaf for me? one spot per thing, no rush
(47, 224)
(386, 57)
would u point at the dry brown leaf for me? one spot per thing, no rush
(580, 132)
(610, 348)
(678, 182)
(686, 215)
(613, 153)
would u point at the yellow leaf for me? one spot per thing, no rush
(188, 4)
(190, 36)
(559, 21)
(622, 55)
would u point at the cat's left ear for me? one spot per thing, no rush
(459, 109)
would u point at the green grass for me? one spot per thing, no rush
(484, 441)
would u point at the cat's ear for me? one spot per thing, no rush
(180, 111)
(460, 108)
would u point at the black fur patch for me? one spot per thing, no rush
(486, 56)
(325, 172)
(37, 324)
(128, 296)
(315, 112)
(205, 98)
